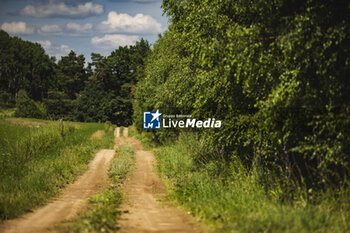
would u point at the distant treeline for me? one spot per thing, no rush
(39, 87)
(275, 72)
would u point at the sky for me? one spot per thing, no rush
(84, 26)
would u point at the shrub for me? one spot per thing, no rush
(26, 107)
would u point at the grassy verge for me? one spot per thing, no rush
(103, 207)
(36, 161)
(132, 132)
(238, 203)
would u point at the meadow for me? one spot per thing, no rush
(37, 159)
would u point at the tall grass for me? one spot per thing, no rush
(132, 132)
(36, 161)
(235, 200)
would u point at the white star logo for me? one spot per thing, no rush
(156, 115)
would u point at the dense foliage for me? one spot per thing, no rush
(276, 74)
(26, 107)
(106, 97)
(23, 65)
(40, 88)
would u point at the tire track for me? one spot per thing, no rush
(73, 197)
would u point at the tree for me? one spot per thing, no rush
(275, 73)
(108, 93)
(59, 105)
(24, 65)
(71, 74)
(26, 107)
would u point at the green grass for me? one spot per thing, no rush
(103, 211)
(36, 161)
(238, 203)
(132, 132)
(121, 131)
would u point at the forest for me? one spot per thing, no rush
(38, 86)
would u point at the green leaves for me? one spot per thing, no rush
(108, 93)
(24, 65)
(275, 72)
(26, 107)
(71, 74)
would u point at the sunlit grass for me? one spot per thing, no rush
(36, 161)
(238, 202)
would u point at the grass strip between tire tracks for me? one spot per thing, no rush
(103, 208)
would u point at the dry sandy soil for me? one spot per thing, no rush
(98, 134)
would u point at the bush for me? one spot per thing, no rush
(5, 100)
(26, 107)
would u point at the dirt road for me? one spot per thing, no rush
(144, 212)
(69, 202)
